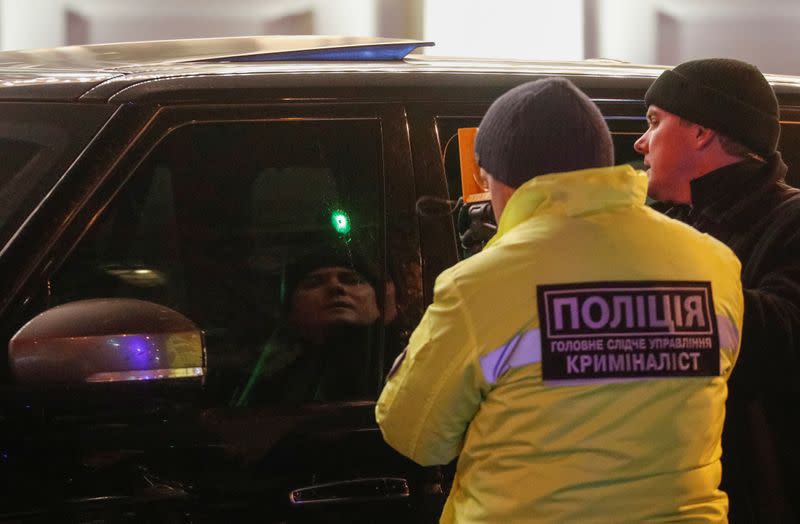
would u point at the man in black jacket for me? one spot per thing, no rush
(324, 347)
(711, 154)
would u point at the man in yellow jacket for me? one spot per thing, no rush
(576, 366)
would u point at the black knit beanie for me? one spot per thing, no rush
(726, 95)
(540, 127)
(328, 255)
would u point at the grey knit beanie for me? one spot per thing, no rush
(729, 96)
(540, 127)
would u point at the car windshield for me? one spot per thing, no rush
(38, 143)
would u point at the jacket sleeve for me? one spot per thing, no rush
(770, 353)
(435, 388)
(771, 331)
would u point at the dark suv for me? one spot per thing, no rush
(155, 198)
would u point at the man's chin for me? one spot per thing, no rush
(654, 192)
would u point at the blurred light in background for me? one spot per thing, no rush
(764, 32)
(533, 30)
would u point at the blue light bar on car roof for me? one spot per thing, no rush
(370, 52)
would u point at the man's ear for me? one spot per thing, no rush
(703, 136)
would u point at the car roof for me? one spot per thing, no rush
(134, 56)
(132, 70)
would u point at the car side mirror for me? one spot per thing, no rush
(107, 340)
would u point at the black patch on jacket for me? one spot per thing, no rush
(630, 329)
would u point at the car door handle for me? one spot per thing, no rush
(356, 490)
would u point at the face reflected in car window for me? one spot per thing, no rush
(328, 297)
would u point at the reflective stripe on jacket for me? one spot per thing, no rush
(470, 383)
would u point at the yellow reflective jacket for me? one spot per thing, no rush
(577, 366)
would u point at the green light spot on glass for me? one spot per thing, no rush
(340, 221)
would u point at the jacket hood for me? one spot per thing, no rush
(575, 192)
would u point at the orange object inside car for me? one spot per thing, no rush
(474, 186)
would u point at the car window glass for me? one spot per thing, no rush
(227, 223)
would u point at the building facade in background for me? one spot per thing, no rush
(640, 31)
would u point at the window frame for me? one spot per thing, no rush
(397, 202)
(790, 118)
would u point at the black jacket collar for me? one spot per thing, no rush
(738, 191)
(729, 202)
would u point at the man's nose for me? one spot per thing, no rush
(640, 146)
(336, 286)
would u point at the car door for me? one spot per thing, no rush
(207, 210)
